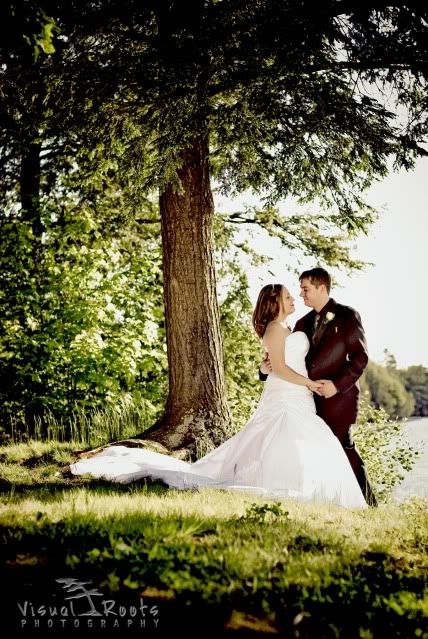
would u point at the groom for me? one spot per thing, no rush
(337, 357)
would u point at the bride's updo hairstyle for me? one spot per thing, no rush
(267, 308)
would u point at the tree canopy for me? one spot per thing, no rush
(291, 99)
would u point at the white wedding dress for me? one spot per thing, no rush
(285, 450)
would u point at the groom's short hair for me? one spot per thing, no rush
(317, 276)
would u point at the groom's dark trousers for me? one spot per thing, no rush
(338, 352)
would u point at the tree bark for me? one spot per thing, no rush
(196, 409)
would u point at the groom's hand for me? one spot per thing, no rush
(328, 389)
(266, 366)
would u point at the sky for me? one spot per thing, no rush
(392, 295)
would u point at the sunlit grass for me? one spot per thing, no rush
(88, 496)
(23, 451)
(390, 524)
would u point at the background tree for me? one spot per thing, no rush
(390, 361)
(387, 391)
(415, 380)
(95, 336)
(387, 453)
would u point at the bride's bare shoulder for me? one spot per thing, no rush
(277, 327)
(274, 332)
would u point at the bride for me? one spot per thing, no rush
(285, 450)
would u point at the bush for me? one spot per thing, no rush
(386, 453)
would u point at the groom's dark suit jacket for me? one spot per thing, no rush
(338, 352)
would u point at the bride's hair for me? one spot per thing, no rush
(267, 307)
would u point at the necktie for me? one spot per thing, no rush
(317, 319)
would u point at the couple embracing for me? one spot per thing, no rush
(298, 442)
(336, 358)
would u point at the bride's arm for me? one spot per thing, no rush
(274, 341)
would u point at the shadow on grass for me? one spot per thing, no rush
(51, 490)
(364, 601)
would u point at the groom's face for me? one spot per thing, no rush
(310, 293)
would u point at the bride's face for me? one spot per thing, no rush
(287, 302)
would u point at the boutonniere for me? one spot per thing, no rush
(328, 317)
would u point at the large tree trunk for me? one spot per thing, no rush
(196, 409)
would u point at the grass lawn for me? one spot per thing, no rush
(164, 562)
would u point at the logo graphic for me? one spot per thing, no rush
(86, 607)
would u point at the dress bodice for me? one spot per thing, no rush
(296, 349)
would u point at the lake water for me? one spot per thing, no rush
(415, 482)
